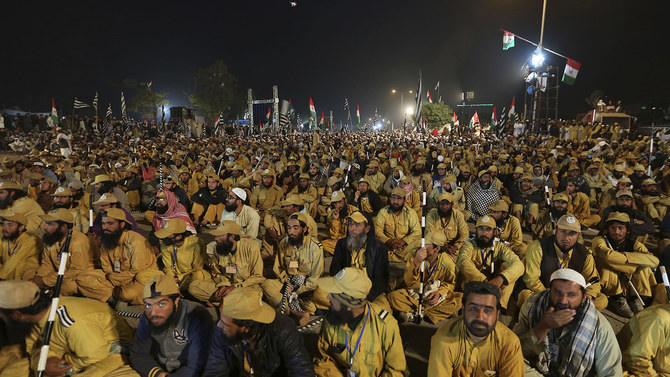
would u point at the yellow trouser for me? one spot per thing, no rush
(329, 245)
(212, 214)
(660, 295)
(112, 366)
(600, 301)
(657, 210)
(643, 280)
(533, 210)
(590, 220)
(133, 198)
(95, 285)
(272, 291)
(400, 300)
(69, 287)
(401, 255)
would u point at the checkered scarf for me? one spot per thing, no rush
(481, 198)
(580, 339)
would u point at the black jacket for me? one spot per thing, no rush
(375, 202)
(282, 353)
(376, 262)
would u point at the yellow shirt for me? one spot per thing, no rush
(444, 270)
(243, 268)
(132, 255)
(337, 229)
(454, 227)
(645, 342)
(181, 261)
(380, 352)
(470, 263)
(405, 225)
(307, 259)
(453, 353)
(20, 256)
(32, 211)
(627, 262)
(263, 199)
(80, 259)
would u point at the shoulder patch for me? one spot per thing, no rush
(64, 317)
(383, 314)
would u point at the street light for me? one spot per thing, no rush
(410, 110)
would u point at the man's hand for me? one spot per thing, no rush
(452, 249)
(498, 281)
(222, 292)
(39, 282)
(357, 195)
(420, 257)
(554, 319)
(336, 214)
(56, 367)
(432, 298)
(390, 243)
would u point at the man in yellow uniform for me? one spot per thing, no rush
(413, 199)
(233, 262)
(336, 221)
(63, 198)
(562, 250)
(208, 202)
(509, 228)
(298, 266)
(439, 280)
(580, 205)
(246, 217)
(182, 253)
(190, 185)
(356, 339)
(654, 204)
(476, 344)
(421, 180)
(450, 222)
(88, 337)
(618, 258)
(13, 199)
(645, 343)
(307, 192)
(398, 227)
(545, 225)
(375, 177)
(127, 263)
(484, 259)
(19, 250)
(267, 195)
(56, 225)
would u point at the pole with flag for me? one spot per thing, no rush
(508, 40)
(80, 104)
(474, 120)
(54, 115)
(494, 119)
(512, 110)
(124, 116)
(430, 99)
(437, 88)
(419, 92)
(454, 121)
(322, 121)
(348, 110)
(571, 70)
(109, 111)
(267, 115)
(312, 114)
(358, 118)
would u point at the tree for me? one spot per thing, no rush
(436, 115)
(146, 102)
(215, 90)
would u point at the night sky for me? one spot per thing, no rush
(331, 49)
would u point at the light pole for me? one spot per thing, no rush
(402, 98)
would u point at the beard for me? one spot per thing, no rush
(51, 238)
(60, 205)
(445, 214)
(267, 186)
(161, 209)
(485, 185)
(338, 318)
(623, 209)
(12, 236)
(224, 248)
(396, 207)
(231, 207)
(110, 240)
(478, 328)
(557, 213)
(302, 189)
(501, 222)
(417, 171)
(482, 243)
(295, 240)
(172, 318)
(6, 202)
(355, 243)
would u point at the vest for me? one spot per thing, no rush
(549, 262)
(169, 344)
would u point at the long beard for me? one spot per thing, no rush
(50, 239)
(482, 243)
(485, 185)
(231, 207)
(60, 205)
(224, 248)
(445, 214)
(295, 240)
(111, 240)
(416, 171)
(557, 213)
(302, 189)
(356, 243)
(172, 318)
(161, 210)
(6, 202)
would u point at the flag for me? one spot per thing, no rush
(124, 116)
(474, 120)
(149, 83)
(267, 116)
(503, 119)
(109, 111)
(430, 99)
(494, 118)
(358, 117)
(322, 120)
(571, 71)
(454, 120)
(417, 113)
(54, 115)
(508, 40)
(312, 114)
(348, 110)
(512, 110)
(95, 103)
(79, 104)
(437, 86)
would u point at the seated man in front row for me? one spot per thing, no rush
(645, 343)
(498, 348)
(563, 334)
(398, 227)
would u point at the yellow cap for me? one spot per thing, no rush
(561, 196)
(62, 191)
(618, 216)
(351, 282)
(437, 238)
(294, 200)
(172, 226)
(499, 205)
(446, 196)
(115, 213)
(160, 285)
(226, 227)
(106, 199)
(60, 214)
(336, 196)
(18, 294)
(638, 167)
(101, 178)
(486, 220)
(15, 217)
(299, 216)
(398, 192)
(358, 217)
(9, 185)
(247, 303)
(624, 193)
(648, 182)
(569, 222)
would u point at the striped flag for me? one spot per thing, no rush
(348, 110)
(430, 99)
(124, 116)
(95, 103)
(109, 111)
(267, 116)
(358, 117)
(79, 104)
(503, 118)
(312, 114)
(494, 119)
(322, 120)
(419, 91)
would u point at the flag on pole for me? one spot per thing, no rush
(512, 110)
(312, 114)
(109, 111)
(503, 119)
(430, 99)
(474, 120)
(454, 120)
(267, 115)
(494, 119)
(124, 116)
(571, 71)
(54, 115)
(95, 103)
(419, 91)
(79, 104)
(358, 117)
(508, 40)
(322, 121)
(437, 86)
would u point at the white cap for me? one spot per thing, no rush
(570, 275)
(240, 193)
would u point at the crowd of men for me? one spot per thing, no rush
(360, 230)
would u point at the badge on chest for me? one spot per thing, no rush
(117, 266)
(231, 270)
(293, 264)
